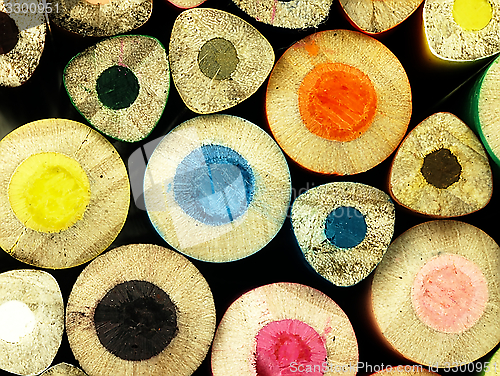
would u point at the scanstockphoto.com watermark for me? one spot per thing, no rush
(349, 368)
(305, 368)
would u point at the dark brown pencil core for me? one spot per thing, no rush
(9, 33)
(136, 320)
(218, 59)
(441, 168)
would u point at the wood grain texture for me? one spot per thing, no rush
(294, 14)
(237, 238)
(204, 95)
(393, 106)
(392, 302)
(41, 293)
(485, 110)
(377, 16)
(258, 307)
(63, 369)
(186, 4)
(100, 20)
(343, 266)
(19, 64)
(449, 41)
(410, 188)
(109, 194)
(147, 59)
(172, 273)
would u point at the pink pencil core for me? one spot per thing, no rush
(449, 293)
(286, 346)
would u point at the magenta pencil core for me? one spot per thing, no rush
(284, 342)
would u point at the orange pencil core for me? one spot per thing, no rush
(337, 101)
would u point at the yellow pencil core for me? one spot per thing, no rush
(472, 14)
(49, 192)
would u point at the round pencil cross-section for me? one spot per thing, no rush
(140, 309)
(32, 317)
(284, 329)
(343, 229)
(120, 85)
(338, 113)
(217, 59)
(217, 188)
(293, 14)
(441, 169)
(100, 18)
(461, 30)
(439, 280)
(485, 110)
(63, 369)
(22, 41)
(64, 193)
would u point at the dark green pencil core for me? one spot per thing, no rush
(218, 59)
(441, 168)
(117, 87)
(9, 33)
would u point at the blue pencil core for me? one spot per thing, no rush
(345, 227)
(214, 184)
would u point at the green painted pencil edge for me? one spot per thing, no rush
(473, 112)
(89, 121)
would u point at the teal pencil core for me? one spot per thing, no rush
(345, 227)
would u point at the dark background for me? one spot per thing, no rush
(433, 88)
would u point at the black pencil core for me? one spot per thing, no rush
(441, 168)
(9, 33)
(136, 320)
